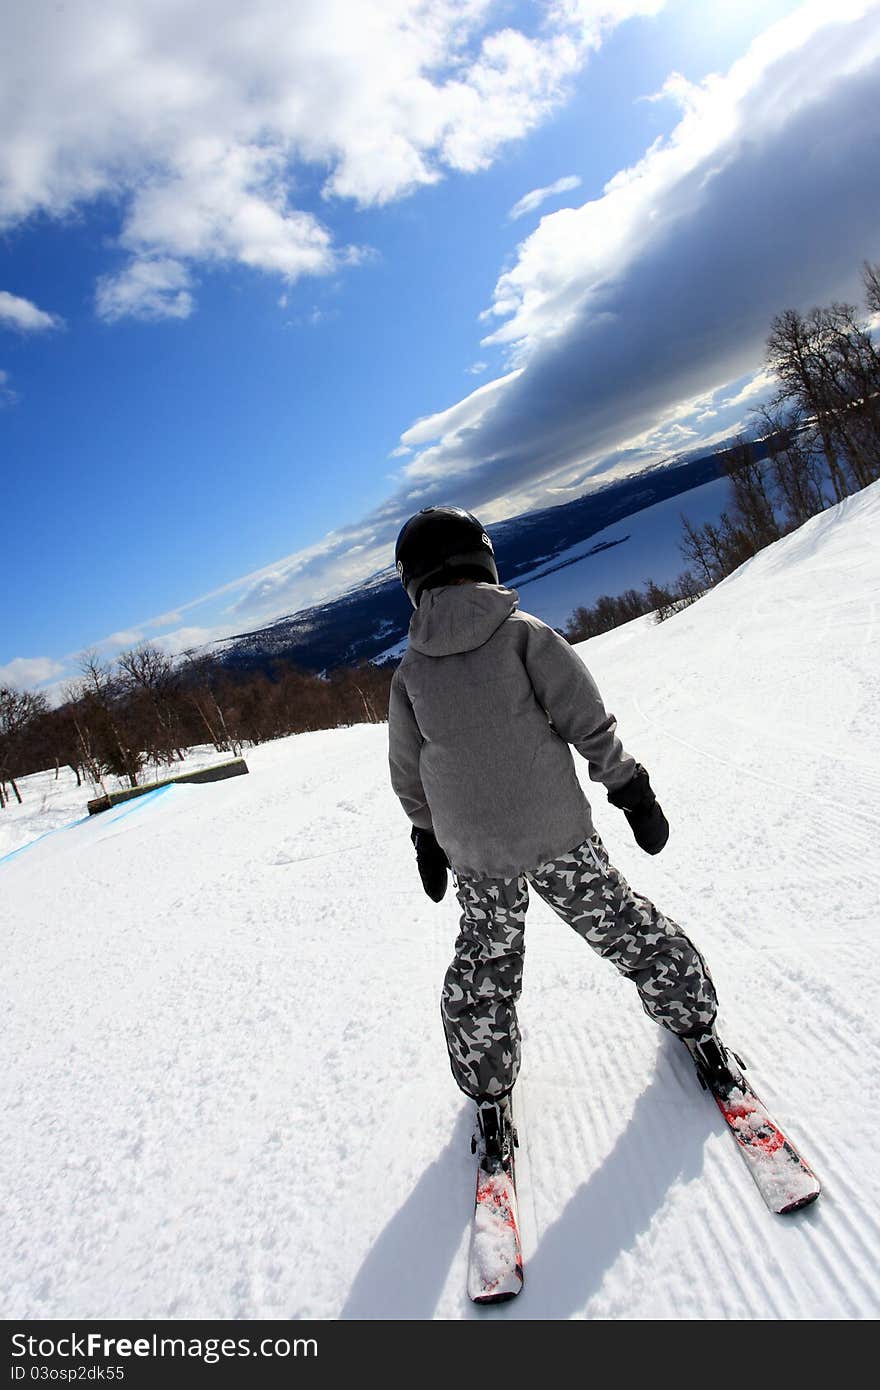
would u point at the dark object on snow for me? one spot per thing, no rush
(432, 862)
(440, 545)
(640, 806)
(713, 1061)
(236, 767)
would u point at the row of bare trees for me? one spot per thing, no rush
(817, 441)
(814, 443)
(146, 708)
(608, 612)
(20, 712)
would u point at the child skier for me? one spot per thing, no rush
(483, 708)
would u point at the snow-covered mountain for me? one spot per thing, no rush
(226, 1091)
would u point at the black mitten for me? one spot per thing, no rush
(640, 806)
(432, 862)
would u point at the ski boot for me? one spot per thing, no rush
(718, 1068)
(496, 1136)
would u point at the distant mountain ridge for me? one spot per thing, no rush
(373, 616)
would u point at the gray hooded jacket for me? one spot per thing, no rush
(482, 710)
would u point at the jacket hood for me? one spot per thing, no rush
(459, 617)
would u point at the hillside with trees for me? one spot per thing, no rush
(815, 442)
(145, 710)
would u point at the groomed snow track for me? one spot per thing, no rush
(222, 1002)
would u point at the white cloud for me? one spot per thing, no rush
(7, 395)
(477, 368)
(678, 89)
(628, 318)
(147, 289)
(631, 317)
(756, 389)
(24, 673)
(191, 638)
(228, 203)
(564, 267)
(181, 639)
(646, 299)
(460, 417)
(25, 316)
(252, 594)
(530, 201)
(128, 638)
(205, 130)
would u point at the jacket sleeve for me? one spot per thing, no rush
(404, 747)
(569, 695)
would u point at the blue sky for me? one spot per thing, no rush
(262, 295)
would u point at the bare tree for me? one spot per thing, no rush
(687, 589)
(793, 350)
(19, 712)
(64, 740)
(753, 511)
(829, 377)
(660, 599)
(199, 683)
(696, 549)
(152, 683)
(850, 374)
(871, 279)
(102, 715)
(797, 471)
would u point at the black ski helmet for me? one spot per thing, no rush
(439, 545)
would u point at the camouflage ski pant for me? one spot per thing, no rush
(483, 982)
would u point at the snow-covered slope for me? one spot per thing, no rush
(226, 1092)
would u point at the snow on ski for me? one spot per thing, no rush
(495, 1264)
(781, 1175)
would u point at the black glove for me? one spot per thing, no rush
(641, 808)
(432, 862)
